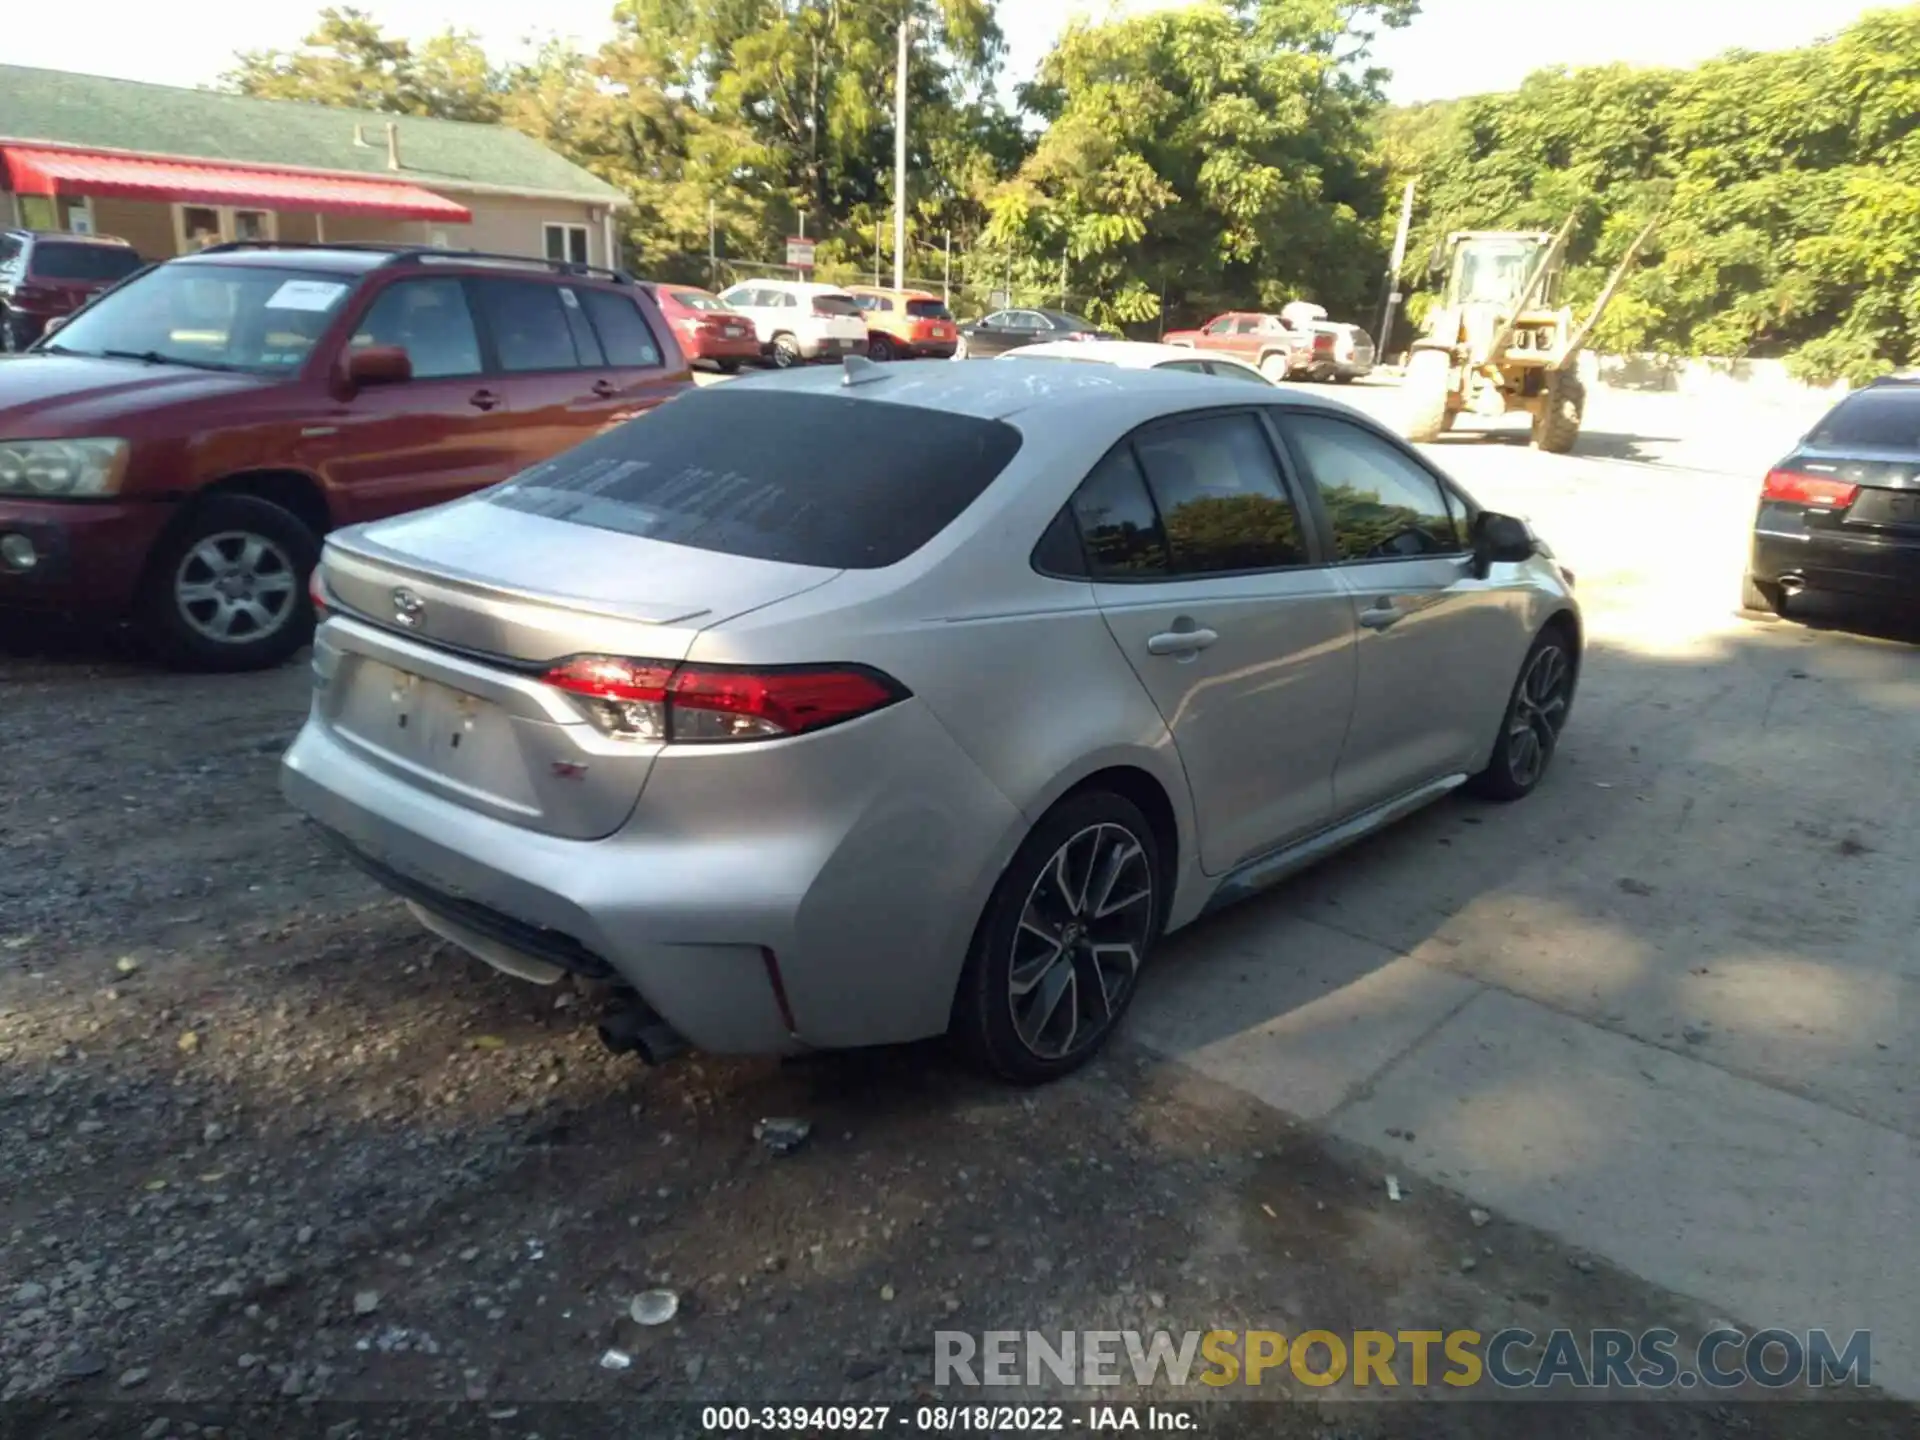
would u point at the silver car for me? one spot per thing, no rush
(844, 708)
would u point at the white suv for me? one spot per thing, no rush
(797, 320)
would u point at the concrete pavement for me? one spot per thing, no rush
(1668, 1008)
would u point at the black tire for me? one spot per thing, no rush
(880, 349)
(984, 1024)
(1509, 775)
(1556, 426)
(288, 548)
(786, 352)
(1426, 385)
(727, 367)
(1762, 597)
(1342, 377)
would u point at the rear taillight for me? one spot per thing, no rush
(317, 594)
(27, 293)
(705, 704)
(1795, 488)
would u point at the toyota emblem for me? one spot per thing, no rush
(408, 608)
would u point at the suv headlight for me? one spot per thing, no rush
(61, 467)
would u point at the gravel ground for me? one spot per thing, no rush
(267, 1143)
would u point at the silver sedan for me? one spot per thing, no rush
(852, 707)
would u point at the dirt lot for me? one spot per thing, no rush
(267, 1141)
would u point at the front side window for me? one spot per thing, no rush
(217, 317)
(1220, 495)
(529, 327)
(1222, 326)
(428, 319)
(1381, 503)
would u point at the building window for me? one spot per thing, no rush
(195, 227)
(567, 243)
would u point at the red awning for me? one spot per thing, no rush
(77, 172)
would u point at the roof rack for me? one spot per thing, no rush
(401, 253)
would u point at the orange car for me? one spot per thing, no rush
(905, 323)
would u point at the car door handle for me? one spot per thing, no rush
(483, 399)
(1180, 642)
(604, 389)
(1380, 615)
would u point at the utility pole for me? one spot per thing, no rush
(900, 155)
(1393, 270)
(713, 250)
(1063, 279)
(946, 278)
(876, 254)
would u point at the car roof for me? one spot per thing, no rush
(1130, 354)
(907, 294)
(360, 260)
(64, 236)
(992, 390)
(803, 286)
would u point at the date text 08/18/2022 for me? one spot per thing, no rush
(945, 1419)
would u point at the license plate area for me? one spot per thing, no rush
(460, 741)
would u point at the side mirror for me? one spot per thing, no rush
(378, 365)
(1501, 539)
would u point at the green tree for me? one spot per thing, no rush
(349, 60)
(1206, 156)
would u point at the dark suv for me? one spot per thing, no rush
(174, 453)
(44, 274)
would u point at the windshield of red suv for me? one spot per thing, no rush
(215, 317)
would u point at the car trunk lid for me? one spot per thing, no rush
(450, 618)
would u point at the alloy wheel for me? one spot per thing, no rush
(1539, 709)
(1077, 949)
(235, 587)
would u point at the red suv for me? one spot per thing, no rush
(44, 274)
(174, 453)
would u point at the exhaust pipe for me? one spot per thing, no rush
(1791, 585)
(635, 1029)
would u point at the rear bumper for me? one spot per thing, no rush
(858, 876)
(90, 555)
(831, 347)
(928, 349)
(713, 347)
(1880, 567)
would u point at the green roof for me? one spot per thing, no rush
(92, 110)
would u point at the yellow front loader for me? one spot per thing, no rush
(1501, 339)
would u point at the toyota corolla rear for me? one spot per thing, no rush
(531, 720)
(1842, 512)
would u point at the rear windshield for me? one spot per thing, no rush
(929, 309)
(59, 260)
(697, 299)
(828, 480)
(1884, 418)
(835, 305)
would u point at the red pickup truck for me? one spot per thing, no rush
(1265, 341)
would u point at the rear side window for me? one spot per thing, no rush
(623, 330)
(806, 479)
(839, 305)
(696, 299)
(529, 325)
(1119, 527)
(56, 260)
(1886, 417)
(928, 310)
(1220, 496)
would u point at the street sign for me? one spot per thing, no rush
(799, 252)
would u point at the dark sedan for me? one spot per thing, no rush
(1842, 512)
(1006, 330)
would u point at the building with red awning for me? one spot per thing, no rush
(173, 170)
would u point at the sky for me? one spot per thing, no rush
(1455, 47)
